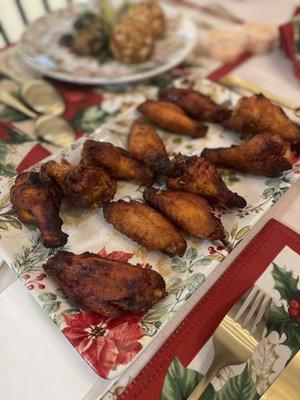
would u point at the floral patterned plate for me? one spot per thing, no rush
(109, 345)
(40, 49)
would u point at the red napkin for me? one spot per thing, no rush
(288, 41)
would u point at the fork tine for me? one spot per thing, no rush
(246, 303)
(260, 313)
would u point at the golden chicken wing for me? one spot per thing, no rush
(195, 104)
(196, 175)
(188, 211)
(145, 145)
(145, 226)
(171, 118)
(266, 154)
(117, 162)
(104, 286)
(85, 186)
(36, 201)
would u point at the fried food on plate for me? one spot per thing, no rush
(86, 186)
(188, 211)
(36, 201)
(104, 286)
(170, 117)
(196, 175)
(195, 104)
(118, 162)
(266, 154)
(257, 114)
(145, 145)
(145, 226)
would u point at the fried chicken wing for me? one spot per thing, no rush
(37, 201)
(196, 175)
(257, 114)
(266, 154)
(145, 144)
(195, 104)
(145, 226)
(170, 117)
(188, 211)
(85, 186)
(118, 162)
(104, 286)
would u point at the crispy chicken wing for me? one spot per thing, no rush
(37, 201)
(104, 286)
(266, 154)
(118, 162)
(195, 104)
(188, 211)
(145, 144)
(170, 117)
(145, 226)
(257, 114)
(196, 175)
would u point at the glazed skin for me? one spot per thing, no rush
(36, 201)
(145, 226)
(198, 176)
(104, 286)
(172, 118)
(188, 211)
(266, 154)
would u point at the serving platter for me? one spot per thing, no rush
(110, 345)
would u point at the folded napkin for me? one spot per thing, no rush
(290, 41)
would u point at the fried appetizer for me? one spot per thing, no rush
(104, 286)
(188, 211)
(118, 162)
(36, 201)
(257, 114)
(85, 186)
(196, 175)
(195, 104)
(266, 154)
(172, 118)
(145, 144)
(145, 226)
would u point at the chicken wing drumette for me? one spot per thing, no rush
(104, 286)
(37, 201)
(196, 175)
(188, 211)
(172, 118)
(145, 226)
(117, 162)
(266, 154)
(86, 186)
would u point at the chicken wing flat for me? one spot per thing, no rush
(37, 201)
(198, 176)
(195, 104)
(117, 162)
(257, 114)
(172, 118)
(85, 186)
(104, 286)
(145, 144)
(188, 211)
(145, 226)
(266, 154)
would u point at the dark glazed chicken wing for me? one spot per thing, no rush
(107, 287)
(266, 154)
(171, 118)
(188, 211)
(195, 104)
(85, 186)
(118, 162)
(145, 226)
(145, 144)
(37, 201)
(196, 175)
